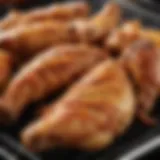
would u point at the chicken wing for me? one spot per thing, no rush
(98, 25)
(28, 40)
(142, 61)
(45, 74)
(5, 68)
(25, 41)
(122, 37)
(129, 32)
(65, 11)
(89, 116)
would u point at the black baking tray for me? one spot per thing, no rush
(136, 142)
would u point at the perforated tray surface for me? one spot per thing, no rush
(138, 135)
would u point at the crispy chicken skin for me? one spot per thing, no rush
(8, 21)
(5, 68)
(28, 40)
(45, 74)
(66, 11)
(142, 61)
(89, 116)
(98, 25)
(123, 36)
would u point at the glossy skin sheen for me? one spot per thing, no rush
(142, 61)
(94, 111)
(45, 74)
(65, 11)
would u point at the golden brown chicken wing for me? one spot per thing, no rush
(65, 11)
(142, 61)
(89, 116)
(129, 32)
(122, 37)
(28, 40)
(45, 74)
(98, 25)
(5, 68)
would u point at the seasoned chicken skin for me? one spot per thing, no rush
(5, 68)
(45, 74)
(28, 40)
(89, 116)
(65, 11)
(96, 27)
(9, 20)
(142, 61)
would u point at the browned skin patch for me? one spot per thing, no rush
(89, 115)
(60, 12)
(48, 72)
